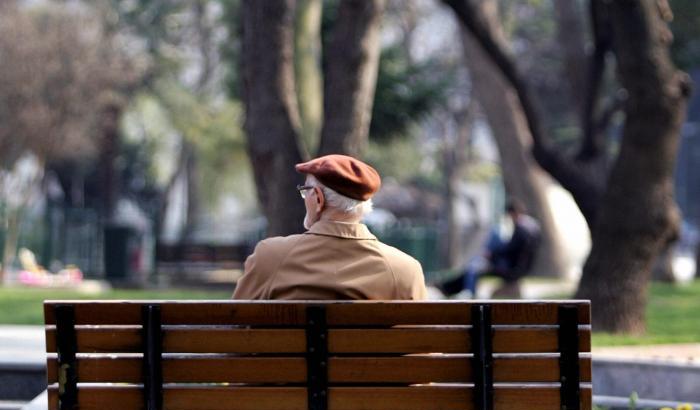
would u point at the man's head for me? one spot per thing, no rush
(515, 208)
(338, 186)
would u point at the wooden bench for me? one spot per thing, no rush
(276, 355)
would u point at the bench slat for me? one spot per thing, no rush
(340, 398)
(338, 313)
(397, 340)
(365, 370)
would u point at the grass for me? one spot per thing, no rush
(673, 316)
(673, 312)
(23, 306)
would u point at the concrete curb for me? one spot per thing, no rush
(651, 379)
(623, 403)
(40, 402)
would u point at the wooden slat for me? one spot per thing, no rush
(540, 369)
(445, 369)
(101, 340)
(340, 398)
(398, 340)
(364, 370)
(458, 313)
(534, 340)
(446, 340)
(191, 370)
(339, 313)
(188, 340)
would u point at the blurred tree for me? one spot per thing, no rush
(307, 70)
(685, 26)
(272, 114)
(522, 177)
(638, 214)
(406, 92)
(63, 78)
(685, 49)
(350, 76)
(631, 212)
(231, 19)
(213, 131)
(56, 84)
(185, 41)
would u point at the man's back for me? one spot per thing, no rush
(333, 260)
(519, 253)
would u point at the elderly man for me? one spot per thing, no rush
(338, 257)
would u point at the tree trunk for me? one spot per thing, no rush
(570, 35)
(350, 77)
(454, 160)
(10, 245)
(637, 214)
(307, 70)
(191, 170)
(271, 111)
(4, 224)
(584, 180)
(109, 150)
(521, 175)
(204, 43)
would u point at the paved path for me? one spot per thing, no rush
(22, 345)
(688, 353)
(530, 289)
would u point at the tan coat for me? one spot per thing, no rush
(332, 260)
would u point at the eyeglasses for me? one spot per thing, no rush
(302, 190)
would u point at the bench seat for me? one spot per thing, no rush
(337, 355)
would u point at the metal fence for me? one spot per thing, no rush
(63, 236)
(423, 242)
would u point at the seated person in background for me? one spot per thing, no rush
(509, 260)
(338, 257)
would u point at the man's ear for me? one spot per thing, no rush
(320, 199)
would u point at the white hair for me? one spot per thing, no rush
(341, 202)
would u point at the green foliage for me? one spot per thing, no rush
(671, 317)
(685, 49)
(483, 172)
(231, 49)
(159, 122)
(146, 124)
(156, 21)
(24, 305)
(397, 158)
(214, 129)
(406, 92)
(534, 37)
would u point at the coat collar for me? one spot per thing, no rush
(341, 230)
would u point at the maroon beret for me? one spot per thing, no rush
(345, 175)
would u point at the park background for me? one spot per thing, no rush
(146, 146)
(150, 144)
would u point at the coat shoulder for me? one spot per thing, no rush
(277, 243)
(407, 271)
(399, 260)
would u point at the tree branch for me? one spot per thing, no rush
(593, 141)
(472, 19)
(582, 182)
(571, 39)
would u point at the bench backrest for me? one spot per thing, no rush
(279, 355)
